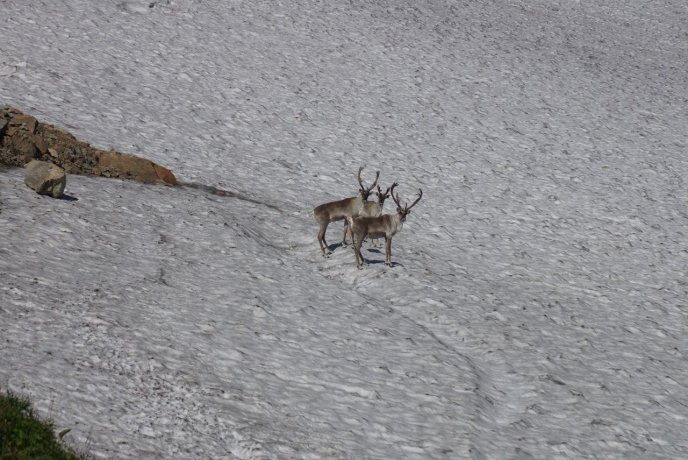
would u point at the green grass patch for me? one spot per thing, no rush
(24, 436)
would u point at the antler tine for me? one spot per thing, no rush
(420, 195)
(395, 198)
(360, 181)
(377, 176)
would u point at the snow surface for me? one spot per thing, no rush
(538, 302)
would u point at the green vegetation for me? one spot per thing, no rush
(23, 436)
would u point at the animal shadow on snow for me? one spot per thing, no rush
(379, 261)
(334, 246)
(331, 248)
(382, 261)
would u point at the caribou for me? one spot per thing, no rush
(370, 209)
(385, 226)
(342, 209)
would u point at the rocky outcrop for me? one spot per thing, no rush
(115, 164)
(45, 178)
(23, 138)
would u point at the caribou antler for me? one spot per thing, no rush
(381, 197)
(406, 209)
(365, 191)
(395, 198)
(420, 195)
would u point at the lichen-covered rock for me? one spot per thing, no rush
(24, 122)
(25, 139)
(45, 178)
(25, 149)
(115, 164)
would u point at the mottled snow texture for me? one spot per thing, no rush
(537, 305)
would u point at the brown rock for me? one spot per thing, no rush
(12, 130)
(165, 174)
(24, 150)
(62, 134)
(45, 178)
(125, 166)
(40, 144)
(27, 121)
(26, 139)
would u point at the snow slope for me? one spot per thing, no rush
(538, 302)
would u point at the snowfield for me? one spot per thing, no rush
(537, 303)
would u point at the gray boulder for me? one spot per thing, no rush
(45, 178)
